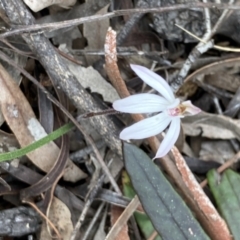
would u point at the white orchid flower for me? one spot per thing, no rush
(169, 110)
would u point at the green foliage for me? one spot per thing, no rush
(226, 191)
(168, 212)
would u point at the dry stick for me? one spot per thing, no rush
(196, 53)
(90, 197)
(93, 221)
(116, 79)
(135, 228)
(217, 105)
(124, 32)
(220, 20)
(15, 49)
(121, 52)
(116, 216)
(75, 22)
(153, 235)
(215, 225)
(207, 19)
(78, 156)
(226, 165)
(226, 49)
(215, 65)
(127, 213)
(214, 90)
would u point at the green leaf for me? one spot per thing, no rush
(142, 219)
(169, 214)
(226, 191)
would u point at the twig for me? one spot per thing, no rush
(226, 165)
(116, 79)
(213, 67)
(75, 22)
(214, 90)
(127, 213)
(13, 48)
(78, 155)
(89, 199)
(93, 221)
(215, 225)
(153, 235)
(44, 217)
(115, 199)
(123, 34)
(207, 34)
(121, 52)
(196, 52)
(221, 18)
(217, 105)
(207, 21)
(226, 49)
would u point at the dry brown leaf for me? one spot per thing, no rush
(23, 123)
(221, 74)
(223, 80)
(13, 72)
(187, 150)
(37, 5)
(60, 216)
(211, 126)
(116, 212)
(95, 33)
(90, 78)
(219, 151)
(122, 219)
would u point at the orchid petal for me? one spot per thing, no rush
(141, 103)
(147, 127)
(154, 81)
(174, 104)
(170, 138)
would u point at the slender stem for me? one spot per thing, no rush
(31, 147)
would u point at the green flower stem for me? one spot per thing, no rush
(31, 147)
